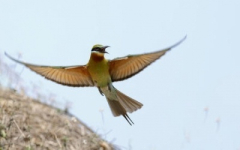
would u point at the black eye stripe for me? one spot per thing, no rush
(96, 49)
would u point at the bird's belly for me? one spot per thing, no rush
(101, 80)
(99, 72)
(109, 93)
(100, 77)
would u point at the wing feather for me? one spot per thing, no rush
(77, 76)
(126, 67)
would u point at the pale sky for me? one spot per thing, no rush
(203, 72)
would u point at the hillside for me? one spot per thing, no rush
(28, 124)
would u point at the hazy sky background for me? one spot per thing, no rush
(201, 73)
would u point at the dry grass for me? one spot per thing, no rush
(27, 124)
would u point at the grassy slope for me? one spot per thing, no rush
(28, 124)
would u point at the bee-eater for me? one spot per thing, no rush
(100, 72)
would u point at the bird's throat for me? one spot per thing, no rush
(97, 56)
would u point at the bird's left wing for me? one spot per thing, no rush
(126, 67)
(77, 76)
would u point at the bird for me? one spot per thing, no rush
(101, 73)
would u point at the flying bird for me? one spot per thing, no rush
(101, 73)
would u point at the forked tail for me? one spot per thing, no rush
(122, 105)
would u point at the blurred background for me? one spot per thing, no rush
(191, 95)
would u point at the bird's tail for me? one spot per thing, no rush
(122, 105)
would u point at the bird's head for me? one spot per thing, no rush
(99, 48)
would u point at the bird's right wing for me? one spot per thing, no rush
(77, 76)
(126, 67)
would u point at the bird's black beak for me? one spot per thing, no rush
(104, 47)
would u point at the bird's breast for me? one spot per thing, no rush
(99, 72)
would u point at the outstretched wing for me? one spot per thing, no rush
(126, 67)
(77, 76)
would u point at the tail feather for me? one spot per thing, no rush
(117, 110)
(128, 103)
(123, 105)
